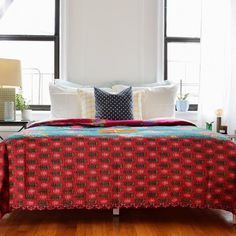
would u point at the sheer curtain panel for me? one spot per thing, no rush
(218, 60)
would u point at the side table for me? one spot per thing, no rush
(21, 123)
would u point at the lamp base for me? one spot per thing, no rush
(6, 95)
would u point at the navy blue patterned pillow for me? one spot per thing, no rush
(114, 106)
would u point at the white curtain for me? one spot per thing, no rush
(218, 62)
(231, 108)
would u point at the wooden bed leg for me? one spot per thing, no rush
(234, 219)
(116, 211)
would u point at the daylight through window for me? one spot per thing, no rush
(182, 45)
(29, 31)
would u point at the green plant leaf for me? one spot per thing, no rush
(21, 103)
(185, 96)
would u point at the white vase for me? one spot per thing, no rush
(182, 105)
(26, 115)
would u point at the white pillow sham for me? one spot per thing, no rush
(58, 88)
(65, 102)
(67, 84)
(157, 101)
(65, 105)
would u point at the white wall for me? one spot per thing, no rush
(233, 2)
(111, 40)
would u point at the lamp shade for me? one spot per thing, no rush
(10, 72)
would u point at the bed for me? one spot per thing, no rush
(93, 164)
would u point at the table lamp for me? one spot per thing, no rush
(10, 78)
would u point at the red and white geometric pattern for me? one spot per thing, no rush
(116, 172)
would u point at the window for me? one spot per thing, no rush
(29, 31)
(182, 45)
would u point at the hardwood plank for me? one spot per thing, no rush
(131, 222)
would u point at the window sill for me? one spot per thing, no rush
(36, 115)
(189, 115)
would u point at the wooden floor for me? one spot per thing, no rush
(131, 222)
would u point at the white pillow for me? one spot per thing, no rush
(87, 102)
(67, 84)
(141, 85)
(87, 99)
(137, 105)
(65, 105)
(157, 101)
(65, 102)
(58, 88)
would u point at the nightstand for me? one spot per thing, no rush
(20, 123)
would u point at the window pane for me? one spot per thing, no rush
(184, 18)
(37, 60)
(28, 17)
(184, 64)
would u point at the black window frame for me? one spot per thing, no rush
(167, 40)
(54, 38)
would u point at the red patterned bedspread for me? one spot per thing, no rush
(115, 171)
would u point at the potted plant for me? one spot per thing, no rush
(182, 103)
(23, 106)
(209, 125)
